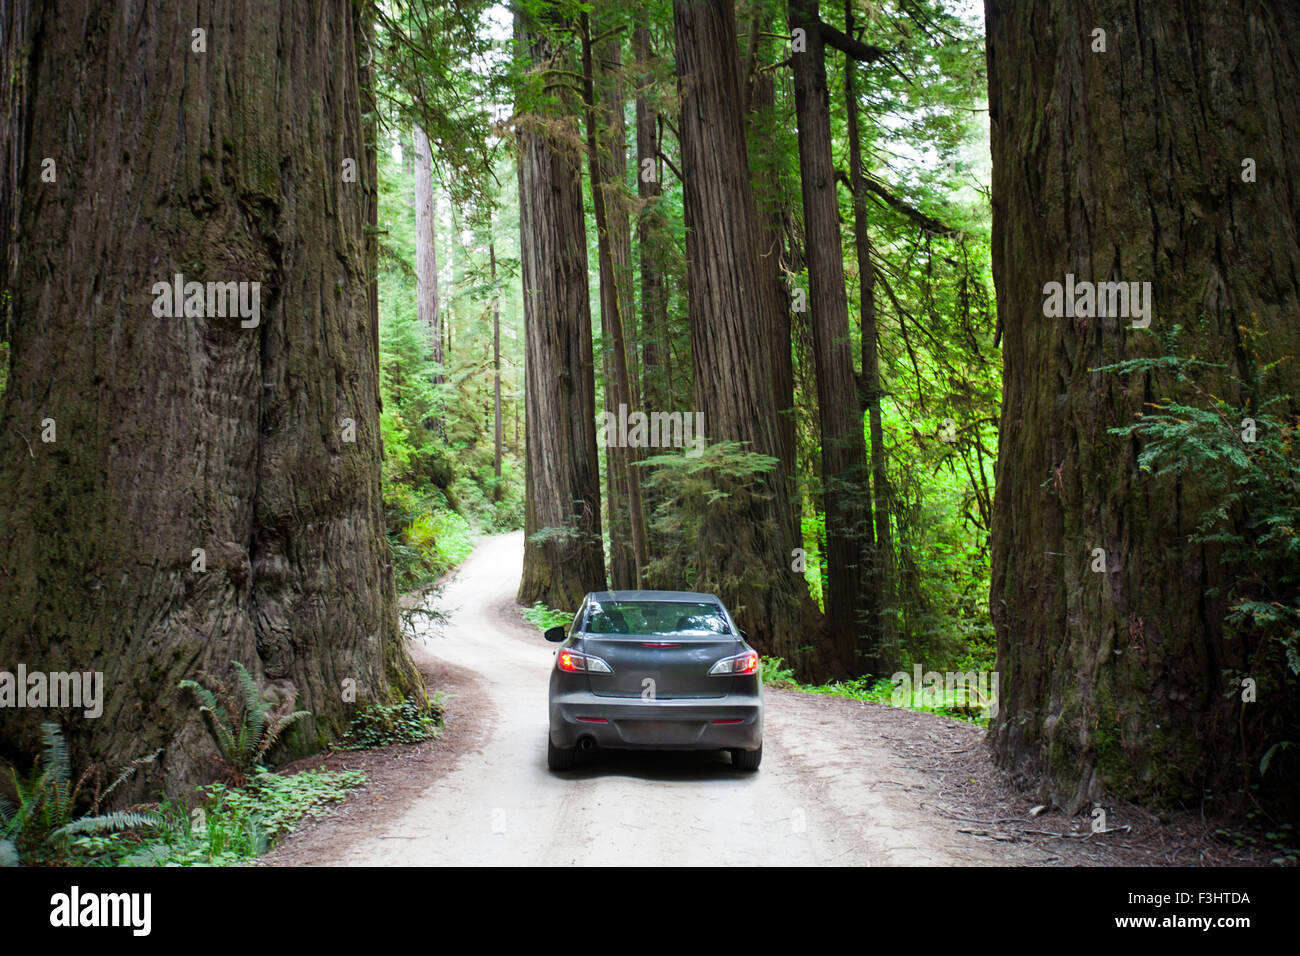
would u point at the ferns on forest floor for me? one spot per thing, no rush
(244, 726)
(45, 814)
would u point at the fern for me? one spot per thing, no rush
(1253, 513)
(49, 797)
(244, 726)
(122, 820)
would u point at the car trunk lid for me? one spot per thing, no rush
(661, 666)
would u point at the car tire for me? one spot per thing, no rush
(560, 758)
(747, 759)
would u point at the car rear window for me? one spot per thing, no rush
(654, 617)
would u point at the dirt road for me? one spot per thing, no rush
(827, 793)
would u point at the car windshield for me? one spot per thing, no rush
(654, 617)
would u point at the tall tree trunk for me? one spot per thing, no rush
(496, 368)
(848, 607)
(652, 243)
(745, 556)
(607, 163)
(211, 488)
(776, 294)
(563, 553)
(882, 561)
(426, 248)
(1126, 165)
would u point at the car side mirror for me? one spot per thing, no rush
(555, 634)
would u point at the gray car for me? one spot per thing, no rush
(654, 670)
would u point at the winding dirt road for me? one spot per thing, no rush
(829, 792)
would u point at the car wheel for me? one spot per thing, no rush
(560, 758)
(747, 759)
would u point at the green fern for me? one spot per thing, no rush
(1253, 513)
(121, 820)
(244, 726)
(48, 800)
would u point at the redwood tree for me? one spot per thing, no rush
(845, 485)
(747, 560)
(563, 557)
(177, 492)
(1121, 157)
(607, 169)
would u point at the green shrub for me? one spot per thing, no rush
(229, 826)
(380, 725)
(544, 618)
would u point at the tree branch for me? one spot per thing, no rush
(931, 225)
(862, 52)
(676, 172)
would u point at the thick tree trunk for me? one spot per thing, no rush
(563, 554)
(193, 441)
(746, 556)
(1126, 165)
(426, 249)
(848, 607)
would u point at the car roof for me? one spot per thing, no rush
(696, 597)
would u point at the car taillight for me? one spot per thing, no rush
(574, 663)
(738, 666)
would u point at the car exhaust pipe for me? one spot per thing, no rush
(586, 743)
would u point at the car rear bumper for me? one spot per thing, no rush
(722, 723)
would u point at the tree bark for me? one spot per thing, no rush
(880, 542)
(607, 165)
(194, 437)
(746, 561)
(1126, 166)
(563, 553)
(776, 294)
(652, 244)
(848, 608)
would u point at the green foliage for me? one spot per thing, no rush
(953, 703)
(775, 673)
(278, 804)
(48, 802)
(438, 478)
(717, 484)
(426, 540)
(227, 826)
(1242, 459)
(544, 618)
(244, 726)
(434, 66)
(379, 725)
(1265, 835)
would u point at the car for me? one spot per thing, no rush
(654, 670)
